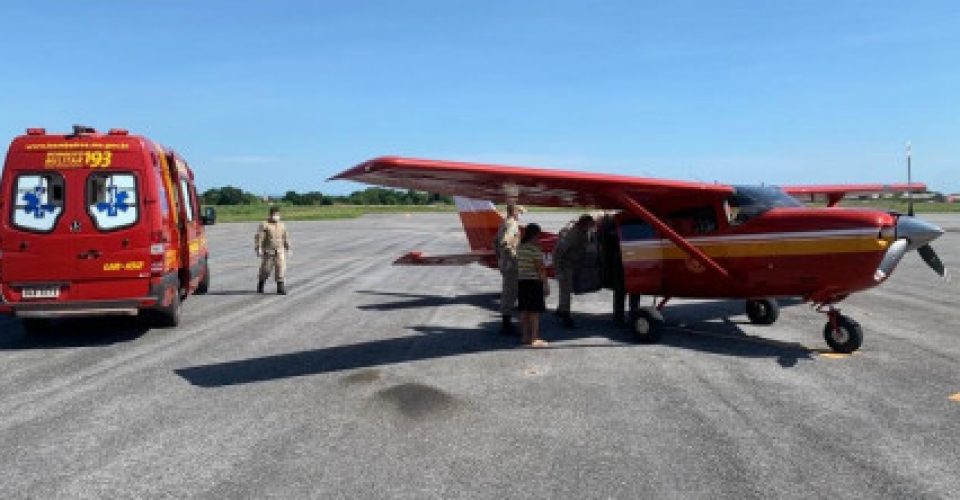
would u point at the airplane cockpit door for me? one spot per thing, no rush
(641, 249)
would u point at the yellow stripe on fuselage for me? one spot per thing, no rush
(657, 250)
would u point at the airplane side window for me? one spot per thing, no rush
(39, 201)
(188, 207)
(700, 220)
(112, 200)
(636, 230)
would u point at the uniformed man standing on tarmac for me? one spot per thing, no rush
(508, 238)
(566, 259)
(272, 246)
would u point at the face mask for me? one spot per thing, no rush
(275, 218)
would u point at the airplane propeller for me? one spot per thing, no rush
(930, 257)
(912, 234)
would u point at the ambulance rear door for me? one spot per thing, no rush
(38, 247)
(113, 237)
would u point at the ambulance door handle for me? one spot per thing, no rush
(90, 254)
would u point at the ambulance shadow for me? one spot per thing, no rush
(434, 343)
(86, 332)
(488, 300)
(232, 292)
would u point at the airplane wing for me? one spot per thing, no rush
(835, 192)
(532, 186)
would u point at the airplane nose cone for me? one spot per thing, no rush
(918, 232)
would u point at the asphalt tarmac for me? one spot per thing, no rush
(376, 381)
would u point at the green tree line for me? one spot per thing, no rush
(229, 195)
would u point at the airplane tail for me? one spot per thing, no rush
(481, 221)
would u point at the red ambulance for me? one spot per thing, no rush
(98, 224)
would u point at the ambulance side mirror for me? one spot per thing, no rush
(209, 216)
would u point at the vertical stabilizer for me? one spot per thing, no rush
(480, 221)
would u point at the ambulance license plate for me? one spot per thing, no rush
(45, 292)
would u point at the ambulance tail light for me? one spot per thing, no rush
(158, 252)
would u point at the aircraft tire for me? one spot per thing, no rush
(647, 326)
(204, 285)
(763, 311)
(847, 338)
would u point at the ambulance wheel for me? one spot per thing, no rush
(35, 326)
(204, 285)
(763, 311)
(846, 338)
(647, 326)
(169, 316)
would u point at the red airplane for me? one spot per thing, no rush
(689, 239)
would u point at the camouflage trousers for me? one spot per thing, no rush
(274, 261)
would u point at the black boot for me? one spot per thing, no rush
(506, 326)
(567, 320)
(280, 289)
(260, 286)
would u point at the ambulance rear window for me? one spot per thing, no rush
(112, 200)
(39, 201)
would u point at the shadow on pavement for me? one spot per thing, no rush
(702, 332)
(231, 292)
(490, 300)
(86, 332)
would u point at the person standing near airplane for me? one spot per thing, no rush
(272, 246)
(508, 239)
(567, 257)
(532, 286)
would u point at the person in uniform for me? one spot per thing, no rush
(508, 239)
(272, 246)
(566, 259)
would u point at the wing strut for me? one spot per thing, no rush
(694, 252)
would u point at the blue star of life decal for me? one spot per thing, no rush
(34, 206)
(116, 202)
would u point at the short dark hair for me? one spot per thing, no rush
(274, 210)
(585, 219)
(530, 232)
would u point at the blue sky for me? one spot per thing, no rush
(271, 96)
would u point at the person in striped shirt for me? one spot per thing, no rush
(532, 286)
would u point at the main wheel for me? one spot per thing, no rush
(204, 285)
(763, 311)
(846, 338)
(647, 327)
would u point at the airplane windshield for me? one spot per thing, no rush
(748, 202)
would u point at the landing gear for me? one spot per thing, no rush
(842, 334)
(763, 311)
(647, 325)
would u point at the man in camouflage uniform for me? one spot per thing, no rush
(272, 246)
(566, 259)
(508, 238)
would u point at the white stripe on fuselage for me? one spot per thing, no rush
(748, 238)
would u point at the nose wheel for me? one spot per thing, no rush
(842, 334)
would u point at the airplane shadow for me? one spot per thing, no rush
(723, 337)
(66, 333)
(487, 300)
